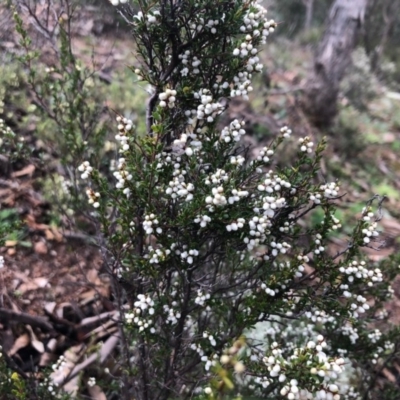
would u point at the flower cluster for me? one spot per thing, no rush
(155, 256)
(236, 225)
(265, 154)
(311, 356)
(172, 315)
(374, 336)
(118, 2)
(60, 364)
(125, 127)
(351, 332)
(237, 195)
(286, 132)
(91, 381)
(123, 176)
(242, 84)
(179, 188)
(267, 290)
(201, 298)
(211, 24)
(150, 19)
(194, 62)
(219, 176)
(327, 190)
(217, 199)
(207, 109)
(167, 98)
(187, 255)
(306, 145)
(187, 143)
(255, 25)
(233, 132)
(4, 128)
(49, 386)
(66, 185)
(86, 169)
(318, 316)
(371, 230)
(153, 17)
(318, 244)
(210, 337)
(148, 224)
(144, 305)
(359, 306)
(330, 190)
(273, 185)
(357, 271)
(61, 369)
(208, 361)
(197, 348)
(93, 197)
(336, 223)
(203, 220)
(237, 160)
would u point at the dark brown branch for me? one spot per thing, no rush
(40, 322)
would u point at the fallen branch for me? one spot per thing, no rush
(106, 349)
(11, 316)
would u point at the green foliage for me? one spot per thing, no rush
(14, 386)
(11, 227)
(360, 86)
(66, 97)
(70, 116)
(13, 148)
(347, 140)
(11, 93)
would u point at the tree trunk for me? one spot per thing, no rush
(390, 17)
(331, 60)
(309, 4)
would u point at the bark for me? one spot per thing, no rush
(333, 56)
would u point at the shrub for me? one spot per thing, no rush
(222, 287)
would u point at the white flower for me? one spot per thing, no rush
(91, 381)
(152, 19)
(117, 2)
(239, 367)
